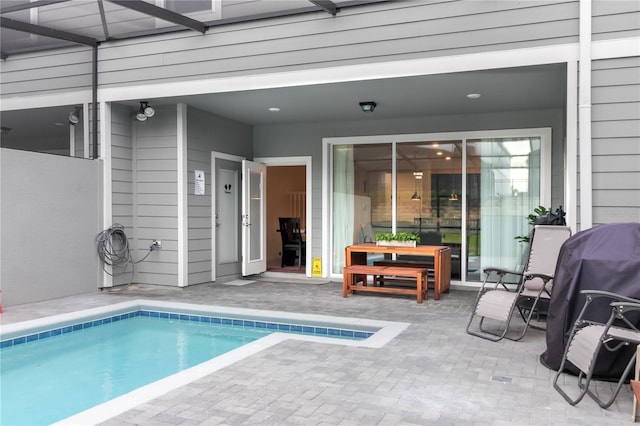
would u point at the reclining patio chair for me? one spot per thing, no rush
(497, 302)
(588, 338)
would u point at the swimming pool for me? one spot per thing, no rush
(274, 326)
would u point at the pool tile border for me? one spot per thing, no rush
(207, 319)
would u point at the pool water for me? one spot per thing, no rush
(44, 381)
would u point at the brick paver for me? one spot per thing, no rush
(431, 374)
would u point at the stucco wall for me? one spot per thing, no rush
(50, 214)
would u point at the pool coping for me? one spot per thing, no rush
(384, 332)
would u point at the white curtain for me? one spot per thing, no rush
(509, 191)
(343, 203)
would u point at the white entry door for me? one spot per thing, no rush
(254, 233)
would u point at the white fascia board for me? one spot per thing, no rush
(81, 97)
(426, 66)
(616, 48)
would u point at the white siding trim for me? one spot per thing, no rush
(327, 205)
(183, 238)
(571, 144)
(85, 129)
(584, 117)
(43, 101)
(107, 183)
(72, 141)
(617, 48)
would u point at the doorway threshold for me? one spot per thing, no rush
(285, 270)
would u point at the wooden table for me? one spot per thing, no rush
(357, 255)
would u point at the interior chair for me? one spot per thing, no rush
(293, 246)
(588, 339)
(497, 302)
(366, 234)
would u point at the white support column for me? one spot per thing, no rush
(107, 183)
(394, 187)
(183, 241)
(571, 148)
(72, 140)
(86, 135)
(584, 117)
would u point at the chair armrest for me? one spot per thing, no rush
(500, 271)
(545, 277)
(594, 294)
(626, 306)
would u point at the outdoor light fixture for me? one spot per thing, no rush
(145, 111)
(368, 106)
(74, 116)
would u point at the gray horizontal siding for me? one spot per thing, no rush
(616, 140)
(122, 208)
(156, 200)
(207, 133)
(622, 146)
(199, 149)
(389, 31)
(615, 19)
(51, 71)
(373, 33)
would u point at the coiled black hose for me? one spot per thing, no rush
(114, 250)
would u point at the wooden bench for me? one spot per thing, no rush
(359, 273)
(411, 264)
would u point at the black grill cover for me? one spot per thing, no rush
(606, 257)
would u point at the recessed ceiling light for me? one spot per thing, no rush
(447, 158)
(473, 95)
(439, 153)
(274, 109)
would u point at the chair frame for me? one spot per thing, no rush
(295, 244)
(511, 299)
(612, 337)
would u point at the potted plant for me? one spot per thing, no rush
(402, 239)
(542, 216)
(537, 212)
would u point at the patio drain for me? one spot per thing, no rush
(501, 379)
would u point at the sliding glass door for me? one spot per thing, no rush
(362, 203)
(506, 191)
(469, 191)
